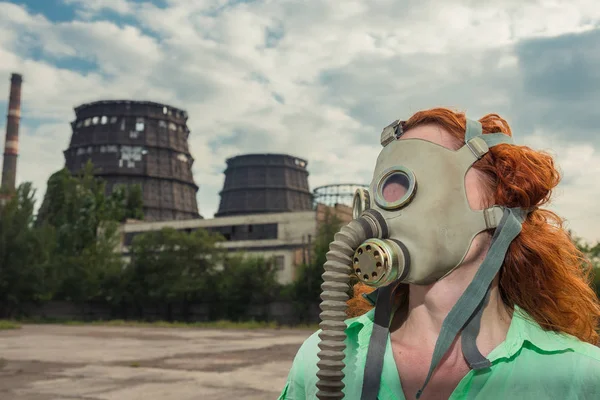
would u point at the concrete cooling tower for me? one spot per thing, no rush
(265, 183)
(138, 142)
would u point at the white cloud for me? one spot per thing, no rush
(36, 162)
(314, 79)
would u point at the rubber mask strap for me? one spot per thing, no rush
(474, 130)
(467, 304)
(472, 355)
(378, 341)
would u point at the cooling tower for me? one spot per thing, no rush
(265, 183)
(138, 142)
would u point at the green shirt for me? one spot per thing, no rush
(530, 364)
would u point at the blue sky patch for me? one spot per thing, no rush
(53, 10)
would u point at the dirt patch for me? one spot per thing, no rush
(223, 362)
(15, 374)
(100, 332)
(122, 334)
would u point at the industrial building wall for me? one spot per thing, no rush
(284, 260)
(341, 211)
(289, 245)
(286, 236)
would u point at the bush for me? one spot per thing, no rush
(6, 325)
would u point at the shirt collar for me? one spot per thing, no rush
(361, 327)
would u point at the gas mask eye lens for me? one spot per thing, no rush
(396, 188)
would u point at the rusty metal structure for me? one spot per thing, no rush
(341, 193)
(138, 142)
(265, 183)
(11, 143)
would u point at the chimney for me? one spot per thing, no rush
(11, 145)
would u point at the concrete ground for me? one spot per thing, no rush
(53, 362)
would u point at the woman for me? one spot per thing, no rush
(538, 325)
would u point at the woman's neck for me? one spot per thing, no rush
(420, 322)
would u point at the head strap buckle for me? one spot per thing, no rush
(392, 132)
(478, 147)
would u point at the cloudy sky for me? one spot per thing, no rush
(317, 79)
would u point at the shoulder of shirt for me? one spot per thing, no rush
(352, 324)
(582, 348)
(550, 341)
(579, 347)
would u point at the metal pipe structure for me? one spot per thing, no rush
(11, 144)
(341, 193)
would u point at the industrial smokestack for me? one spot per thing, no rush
(11, 145)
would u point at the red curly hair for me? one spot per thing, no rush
(543, 272)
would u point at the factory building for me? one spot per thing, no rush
(266, 209)
(285, 236)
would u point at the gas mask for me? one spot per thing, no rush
(418, 187)
(414, 225)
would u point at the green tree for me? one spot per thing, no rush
(81, 198)
(173, 268)
(243, 282)
(86, 226)
(125, 202)
(592, 252)
(25, 253)
(135, 202)
(306, 289)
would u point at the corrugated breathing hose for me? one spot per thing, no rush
(336, 279)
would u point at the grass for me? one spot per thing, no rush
(165, 324)
(223, 324)
(6, 325)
